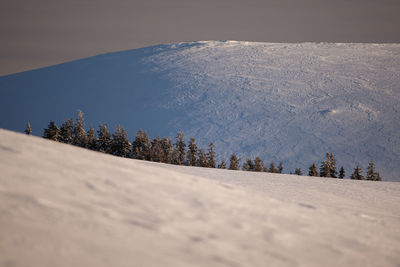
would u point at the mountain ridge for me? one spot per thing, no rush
(284, 102)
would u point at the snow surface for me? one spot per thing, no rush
(283, 102)
(61, 205)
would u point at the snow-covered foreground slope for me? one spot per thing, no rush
(283, 102)
(65, 206)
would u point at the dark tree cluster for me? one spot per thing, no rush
(328, 169)
(177, 152)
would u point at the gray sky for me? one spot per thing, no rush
(39, 33)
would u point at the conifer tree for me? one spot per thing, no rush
(234, 162)
(52, 132)
(192, 153)
(79, 138)
(203, 161)
(372, 175)
(211, 155)
(141, 146)
(258, 165)
(357, 174)
(341, 173)
(156, 151)
(180, 150)
(272, 168)
(298, 171)
(103, 139)
(91, 139)
(120, 146)
(328, 167)
(166, 146)
(312, 170)
(222, 165)
(28, 129)
(248, 165)
(67, 131)
(280, 167)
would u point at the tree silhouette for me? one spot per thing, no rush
(234, 162)
(28, 129)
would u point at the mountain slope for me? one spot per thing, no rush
(65, 206)
(283, 102)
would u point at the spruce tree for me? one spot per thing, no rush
(272, 168)
(180, 151)
(141, 146)
(28, 129)
(192, 153)
(103, 139)
(156, 151)
(79, 137)
(248, 165)
(372, 175)
(67, 131)
(357, 174)
(203, 161)
(52, 132)
(166, 146)
(234, 162)
(211, 155)
(328, 167)
(222, 165)
(258, 165)
(280, 167)
(120, 146)
(312, 170)
(341, 173)
(91, 139)
(298, 171)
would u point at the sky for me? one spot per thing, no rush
(40, 33)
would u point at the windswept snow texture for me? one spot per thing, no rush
(283, 102)
(61, 205)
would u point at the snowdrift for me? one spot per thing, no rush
(61, 205)
(283, 102)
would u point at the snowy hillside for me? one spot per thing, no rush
(283, 102)
(62, 205)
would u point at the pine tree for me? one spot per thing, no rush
(211, 155)
(222, 165)
(203, 161)
(312, 170)
(258, 165)
(91, 139)
(156, 151)
(272, 168)
(79, 137)
(328, 167)
(66, 131)
(248, 165)
(372, 175)
(234, 162)
(280, 167)
(341, 173)
(103, 139)
(180, 150)
(192, 153)
(357, 174)
(141, 146)
(28, 129)
(52, 132)
(298, 171)
(166, 146)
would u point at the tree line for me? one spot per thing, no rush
(166, 151)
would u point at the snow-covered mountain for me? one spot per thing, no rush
(61, 205)
(283, 102)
